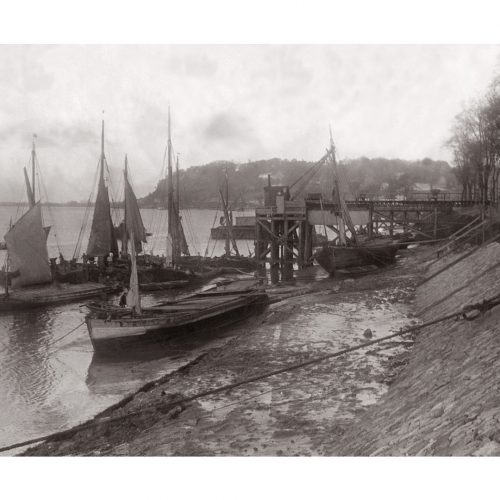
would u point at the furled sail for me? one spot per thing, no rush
(133, 219)
(27, 246)
(180, 236)
(102, 239)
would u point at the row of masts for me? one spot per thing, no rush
(102, 240)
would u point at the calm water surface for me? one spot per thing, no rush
(48, 384)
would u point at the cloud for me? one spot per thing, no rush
(227, 126)
(228, 103)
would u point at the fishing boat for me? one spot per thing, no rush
(333, 257)
(351, 250)
(179, 268)
(114, 330)
(104, 261)
(29, 280)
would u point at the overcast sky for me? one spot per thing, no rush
(228, 103)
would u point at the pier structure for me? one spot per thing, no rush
(285, 229)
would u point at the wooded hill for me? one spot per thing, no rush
(377, 177)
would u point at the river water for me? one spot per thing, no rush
(48, 384)
(50, 381)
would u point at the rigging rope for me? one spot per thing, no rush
(41, 183)
(86, 215)
(310, 173)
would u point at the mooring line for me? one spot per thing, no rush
(481, 306)
(66, 334)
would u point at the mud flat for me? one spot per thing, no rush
(301, 412)
(446, 401)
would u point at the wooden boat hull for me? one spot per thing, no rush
(166, 285)
(246, 232)
(232, 262)
(45, 296)
(114, 336)
(331, 257)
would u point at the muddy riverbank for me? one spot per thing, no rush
(447, 400)
(296, 413)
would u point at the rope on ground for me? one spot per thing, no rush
(480, 307)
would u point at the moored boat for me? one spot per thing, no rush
(53, 294)
(28, 278)
(114, 331)
(333, 257)
(351, 250)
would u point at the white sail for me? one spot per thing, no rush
(27, 246)
(133, 295)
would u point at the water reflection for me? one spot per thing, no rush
(111, 375)
(30, 373)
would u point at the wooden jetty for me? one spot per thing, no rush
(285, 234)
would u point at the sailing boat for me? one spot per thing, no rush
(134, 235)
(180, 265)
(102, 240)
(113, 329)
(27, 270)
(351, 251)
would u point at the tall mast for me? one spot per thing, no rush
(170, 187)
(229, 219)
(103, 158)
(177, 190)
(33, 156)
(339, 194)
(170, 196)
(124, 235)
(7, 266)
(226, 205)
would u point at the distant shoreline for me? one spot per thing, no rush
(118, 205)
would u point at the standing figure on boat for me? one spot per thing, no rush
(123, 297)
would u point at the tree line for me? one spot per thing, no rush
(475, 143)
(371, 177)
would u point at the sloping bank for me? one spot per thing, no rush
(446, 401)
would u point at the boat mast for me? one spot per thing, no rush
(103, 158)
(31, 200)
(133, 296)
(7, 263)
(172, 214)
(339, 195)
(124, 236)
(228, 219)
(33, 156)
(226, 210)
(177, 190)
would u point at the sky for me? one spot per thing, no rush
(237, 103)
